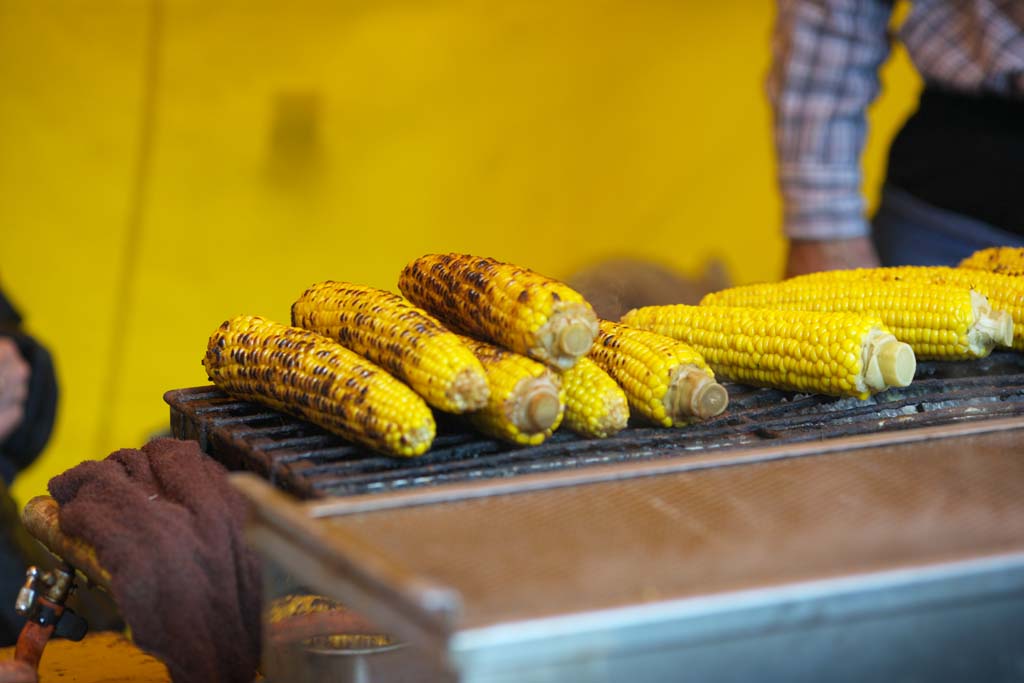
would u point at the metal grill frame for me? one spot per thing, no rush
(309, 463)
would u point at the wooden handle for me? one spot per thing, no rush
(41, 518)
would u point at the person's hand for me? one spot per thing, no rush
(14, 372)
(811, 256)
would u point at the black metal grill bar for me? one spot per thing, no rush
(309, 462)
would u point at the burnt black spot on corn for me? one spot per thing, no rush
(404, 339)
(307, 375)
(526, 403)
(505, 304)
(666, 381)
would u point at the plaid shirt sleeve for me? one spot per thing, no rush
(826, 56)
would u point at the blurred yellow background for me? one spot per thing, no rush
(165, 165)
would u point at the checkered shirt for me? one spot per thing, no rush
(826, 56)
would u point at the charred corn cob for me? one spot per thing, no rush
(667, 382)
(595, 406)
(842, 354)
(403, 339)
(1004, 292)
(505, 304)
(1004, 260)
(302, 373)
(943, 322)
(526, 403)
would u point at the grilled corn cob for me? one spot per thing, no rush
(526, 403)
(309, 376)
(399, 337)
(1004, 292)
(842, 354)
(666, 382)
(595, 406)
(505, 304)
(1004, 260)
(942, 322)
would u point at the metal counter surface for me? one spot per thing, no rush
(862, 560)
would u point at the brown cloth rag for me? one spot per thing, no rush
(167, 525)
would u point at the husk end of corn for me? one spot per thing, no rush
(535, 405)
(567, 334)
(984, 328)
(709, 400)
(692, 393)
(616, 419)
(469, 391)
(418, 440)
(541, 411)
(990, 329)
(889, 362)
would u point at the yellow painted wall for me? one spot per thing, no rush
(291, 142)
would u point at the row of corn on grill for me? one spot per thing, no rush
(519, 353)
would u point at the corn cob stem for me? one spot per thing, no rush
(534, 406)
(570, 334)
(887, 362)
(691, 391)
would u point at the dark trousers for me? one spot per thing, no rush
(910, 232)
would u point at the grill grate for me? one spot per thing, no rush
(310, 463)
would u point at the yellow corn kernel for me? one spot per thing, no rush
(1003, 260)
(403, 339)
(526, 403)
(1004, 292)
(666, 382)
(304, 374)
(595, 406)
(511, 306)
(941, 322)
(841, 354)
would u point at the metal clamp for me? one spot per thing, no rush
(54, 585)
(41, 601)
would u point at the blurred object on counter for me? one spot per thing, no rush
(616, 286)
